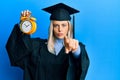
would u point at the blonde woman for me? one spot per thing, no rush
(59, 58)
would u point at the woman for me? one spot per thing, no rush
(59, 58)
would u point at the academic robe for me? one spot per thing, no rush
(32, 55)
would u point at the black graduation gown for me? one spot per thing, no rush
(38, 63)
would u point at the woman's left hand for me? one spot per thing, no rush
(70, 44)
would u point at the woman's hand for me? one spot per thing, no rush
(70, 44)
(26, 13)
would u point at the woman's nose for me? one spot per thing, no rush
(60, 29)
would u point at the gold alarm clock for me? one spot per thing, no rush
(28, 25)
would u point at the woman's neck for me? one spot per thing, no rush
(59, 40)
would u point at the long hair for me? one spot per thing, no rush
(51, 37)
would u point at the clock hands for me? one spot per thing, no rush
(26, 25)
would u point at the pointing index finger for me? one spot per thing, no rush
(66, 40)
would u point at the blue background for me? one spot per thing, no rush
(97, 26)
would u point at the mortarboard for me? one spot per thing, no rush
(61, 12)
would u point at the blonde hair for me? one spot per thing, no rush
(51, 37)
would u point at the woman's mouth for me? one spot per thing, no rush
(60, 34)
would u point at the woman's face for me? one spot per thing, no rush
(60, 29)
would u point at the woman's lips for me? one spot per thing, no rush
(60, 34)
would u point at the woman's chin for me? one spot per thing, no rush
(60, 37)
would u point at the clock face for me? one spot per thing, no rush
(26, 26)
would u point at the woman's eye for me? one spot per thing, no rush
(55, 25)
(64, 25)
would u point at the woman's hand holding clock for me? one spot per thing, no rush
(26, 13)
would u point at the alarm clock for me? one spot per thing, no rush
(28, 25)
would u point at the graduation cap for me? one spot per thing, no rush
(61, 12)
